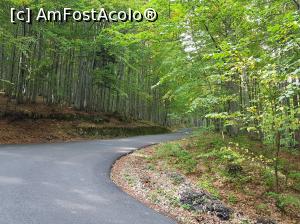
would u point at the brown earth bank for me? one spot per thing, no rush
(42, 123)
(191, 198)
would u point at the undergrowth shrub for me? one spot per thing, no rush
(295, 177)
(177, 156)
(206, 183)
(268, 177)
(285, 202)
(224, 154)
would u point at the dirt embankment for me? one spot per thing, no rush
(41, 123)
(148, 177)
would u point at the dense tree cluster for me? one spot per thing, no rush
(233, 64)
(76, 64)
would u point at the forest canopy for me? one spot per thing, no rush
(233, 64)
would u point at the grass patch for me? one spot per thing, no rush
(176, 156)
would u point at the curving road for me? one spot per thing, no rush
(69, 183)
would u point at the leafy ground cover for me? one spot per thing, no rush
(237, 171)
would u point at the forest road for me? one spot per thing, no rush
(69, 183)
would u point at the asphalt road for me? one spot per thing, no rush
(69, 183)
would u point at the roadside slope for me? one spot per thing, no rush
(42, 123)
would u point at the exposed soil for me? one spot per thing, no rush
(161, 188)
(41, 123)
(36, 131)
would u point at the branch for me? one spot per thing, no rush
(297, 4)
(212, 38)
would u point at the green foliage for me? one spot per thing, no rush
(295, 176)
(177, 156)
(224, 154)
(206, 183)
(234, 65)
(252, 174)
(232, 199)
(231, 65)
(268, 176)
(129, 179)
(186, 207)
(283, 201)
